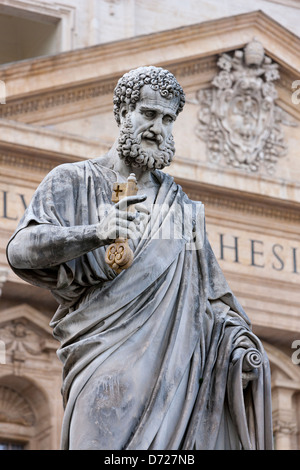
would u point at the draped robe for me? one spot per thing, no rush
(147, 354)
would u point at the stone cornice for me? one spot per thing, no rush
(29, 107)
(23, 161)
(36, 88)
(112, 59)
(36, 162)
(93, 97)
(96, 95)
(38, 149)
(254, 205)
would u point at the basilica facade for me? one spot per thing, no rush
(237, 144)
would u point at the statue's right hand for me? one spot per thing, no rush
(119, 222)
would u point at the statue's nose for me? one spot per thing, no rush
(156, 126)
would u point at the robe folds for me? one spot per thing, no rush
(152, 357)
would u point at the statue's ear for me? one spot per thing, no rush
(125, 108)
(123, 112)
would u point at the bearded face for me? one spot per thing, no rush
(135, 155)
(145, 139)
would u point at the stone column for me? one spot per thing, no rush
(284, 417)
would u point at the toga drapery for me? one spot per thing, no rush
(151, 357)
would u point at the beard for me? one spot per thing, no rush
(130, 150)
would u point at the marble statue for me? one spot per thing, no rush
(158, 354)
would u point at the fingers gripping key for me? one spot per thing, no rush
(119, 255)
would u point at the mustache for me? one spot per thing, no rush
(152, 136)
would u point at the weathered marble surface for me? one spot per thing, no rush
(154, 358)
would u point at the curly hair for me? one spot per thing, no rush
(128, 87)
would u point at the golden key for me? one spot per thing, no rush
(119, 255)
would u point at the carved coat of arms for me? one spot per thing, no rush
(238, 117)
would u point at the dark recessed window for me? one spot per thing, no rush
(23, 38)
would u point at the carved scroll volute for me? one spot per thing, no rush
(119, 255)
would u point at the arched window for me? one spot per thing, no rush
(24, 415)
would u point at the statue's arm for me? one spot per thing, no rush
(44, 245)
(41, 246)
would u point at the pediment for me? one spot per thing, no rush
(25, 335)
(34, 319)
(80, 82)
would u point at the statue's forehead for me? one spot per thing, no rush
(148, 96)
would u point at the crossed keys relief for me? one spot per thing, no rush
(238, 117)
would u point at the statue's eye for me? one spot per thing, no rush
(168, 119)
(149, 114)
